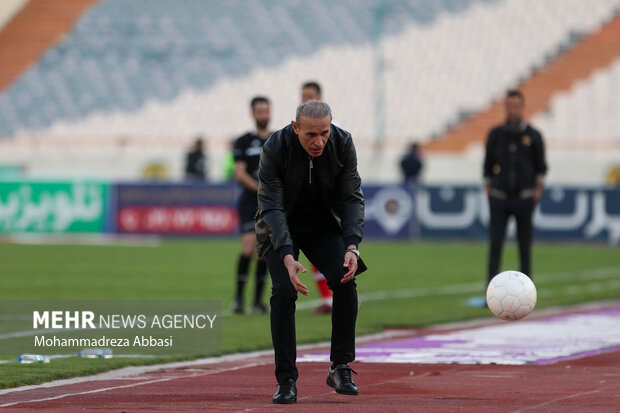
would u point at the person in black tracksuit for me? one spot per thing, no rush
(246, 153)
(196, 162)
(310, 200)
(514, 168)
(411, 165)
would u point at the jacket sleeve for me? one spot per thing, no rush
(540, 165)
(271, 202)
(488, 157)
(351, 197)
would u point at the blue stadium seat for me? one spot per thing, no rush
(122, 53)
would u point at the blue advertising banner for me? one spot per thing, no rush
(392, 211)
(176, 209)
(564, 213)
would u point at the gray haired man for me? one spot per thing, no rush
(309, 199)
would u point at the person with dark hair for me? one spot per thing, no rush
(196, 162)
(246, 153)
(311, 90)
(310, 200)
(411, 164)
(514, 168)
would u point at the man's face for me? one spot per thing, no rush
(514, 109)
(313, 134)
(309, 93)
(261, 114)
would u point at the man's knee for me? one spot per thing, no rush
(343, 288)
(284, 293)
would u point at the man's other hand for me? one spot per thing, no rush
(294, 267)
(350, 262)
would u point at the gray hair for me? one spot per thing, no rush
(313, 109)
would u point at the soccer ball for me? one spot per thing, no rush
(511, 295)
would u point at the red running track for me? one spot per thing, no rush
(587, 384)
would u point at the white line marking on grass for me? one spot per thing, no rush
(62, 356)
(573, 289)
(27, 333)
(99, 240)
(15, 317)
(549, 278)
(407, 293)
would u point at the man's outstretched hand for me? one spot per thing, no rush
(294, 267)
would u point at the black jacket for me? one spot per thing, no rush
(282, 169)
(195, 165)
(411, 165)
(514, 159)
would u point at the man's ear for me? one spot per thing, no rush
(295, 127)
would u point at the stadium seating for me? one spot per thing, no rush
(586, 115)
(121, 54)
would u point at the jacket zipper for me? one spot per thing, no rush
(310, 172)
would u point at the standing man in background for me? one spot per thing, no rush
(311, 90)
(411, 165)
(514, 169)
(310, 200)
(196, 162)
(246, 154)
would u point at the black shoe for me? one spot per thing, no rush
(340, 379)
(238, 307)
(259, 308)
(286, 394)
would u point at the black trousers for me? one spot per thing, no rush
(325, 248)
(501, 210)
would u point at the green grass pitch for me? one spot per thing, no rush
(407, 285)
